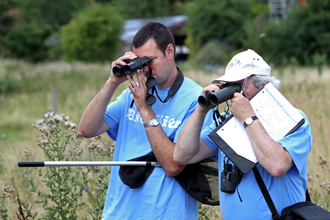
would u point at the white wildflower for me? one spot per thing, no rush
(44, 141)
(67, 124)
(73, 125)
(40, 122)
(44, 128)
(58, 118)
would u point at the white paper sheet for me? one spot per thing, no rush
(275, 113)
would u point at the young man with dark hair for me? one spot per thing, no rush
(139, 129)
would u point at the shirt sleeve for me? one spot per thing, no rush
(298, 145)
(207, 140)
(185, 119)
(114, 112)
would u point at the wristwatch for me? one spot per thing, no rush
(249, 121)
(153, 122)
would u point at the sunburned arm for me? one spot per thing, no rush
(271, 155)
(91, 123)
(189, 147)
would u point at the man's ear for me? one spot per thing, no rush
(169, 52)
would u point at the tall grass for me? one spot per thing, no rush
(26, 95)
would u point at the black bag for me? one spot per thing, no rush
(199, 180)
(305, 211)
(299, 211)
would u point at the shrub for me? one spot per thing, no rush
(213, 53)
(93, 35)
(26, 41)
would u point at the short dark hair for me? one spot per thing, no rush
(159, 32)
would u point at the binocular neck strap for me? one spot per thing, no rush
(175, 87)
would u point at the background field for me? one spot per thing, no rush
(27, 93)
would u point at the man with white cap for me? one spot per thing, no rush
(282, 164)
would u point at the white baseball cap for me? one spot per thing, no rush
(243, 65)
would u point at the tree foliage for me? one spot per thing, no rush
(233, 25)
(45, 12)
(93, 35)
(26, 41)
(217, 20)
(301, 36)
(26, 24)
(6, 19)
(131, 9)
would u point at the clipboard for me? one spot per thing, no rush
(276, 114)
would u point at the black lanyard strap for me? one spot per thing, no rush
(174, 88)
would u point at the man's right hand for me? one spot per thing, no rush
(120, 61)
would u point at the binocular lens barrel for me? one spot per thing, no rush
(137, 64)
(218, 97)
(203, 100)
(131, 66)
(224, 94)
(117, 70)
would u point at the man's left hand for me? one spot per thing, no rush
(139, 90)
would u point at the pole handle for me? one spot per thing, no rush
(31, 163)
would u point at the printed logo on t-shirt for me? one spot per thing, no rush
(165, 121)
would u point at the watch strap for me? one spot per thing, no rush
(152, 122)
(253, 118)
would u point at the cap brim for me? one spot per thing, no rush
(231, 77)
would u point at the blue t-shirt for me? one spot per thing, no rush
(160, 197)
(247, 202)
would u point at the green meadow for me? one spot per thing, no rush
(29, 91)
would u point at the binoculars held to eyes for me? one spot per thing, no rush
(131, 66)
(215, 98)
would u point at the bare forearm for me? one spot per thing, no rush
(188, 143)
(163, 149)
(92, 117)
(161, 145)
(271, 155)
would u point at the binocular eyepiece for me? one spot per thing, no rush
(131, 66)
(151, 82)
(215, 98)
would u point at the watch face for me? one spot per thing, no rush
(154, 122)
(249, 121)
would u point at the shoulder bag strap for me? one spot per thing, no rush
(308, 198)
(264, 191)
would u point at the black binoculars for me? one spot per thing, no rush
(215, 98)
(151, 82)
(131, 66)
